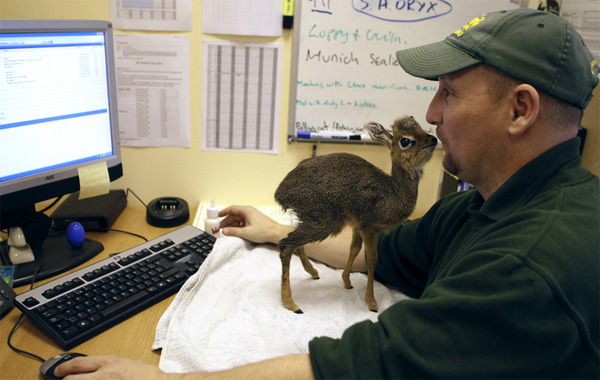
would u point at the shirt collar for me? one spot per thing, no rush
(519, 188)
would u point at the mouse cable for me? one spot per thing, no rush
(17, 350)
(35, 273)
(12, 331)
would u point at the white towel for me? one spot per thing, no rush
(230, 312)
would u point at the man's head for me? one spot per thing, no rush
(538, 48)
(512, 84)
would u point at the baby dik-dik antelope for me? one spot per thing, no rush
(331, 191)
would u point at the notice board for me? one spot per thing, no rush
(344, 68)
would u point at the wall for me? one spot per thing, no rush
(242, 178)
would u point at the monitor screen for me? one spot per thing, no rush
(58, 107)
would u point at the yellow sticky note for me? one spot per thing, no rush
(93, 180)
(288, 7)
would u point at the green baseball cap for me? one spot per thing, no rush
(538, 48)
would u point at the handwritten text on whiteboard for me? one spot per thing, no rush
(402, 10)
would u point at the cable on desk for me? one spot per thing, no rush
(17, 350)
(135, 195)
(34, 277)
(127, 232)
(51, 204)
(121, 231)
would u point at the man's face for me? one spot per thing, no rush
(469, 123)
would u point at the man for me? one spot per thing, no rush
(505, 278)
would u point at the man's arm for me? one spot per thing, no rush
(113, 367)
(249, 223)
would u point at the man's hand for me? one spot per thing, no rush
(250, 224)
(116, 368)
(108, 367)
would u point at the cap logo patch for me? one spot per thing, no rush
(471, 23)
(595, 68)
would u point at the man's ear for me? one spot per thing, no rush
(525, 108)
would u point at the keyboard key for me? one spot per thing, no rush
(70, 331)
(29, 302)
(124, 304)
(50, 293)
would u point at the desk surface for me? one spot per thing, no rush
(132, 338)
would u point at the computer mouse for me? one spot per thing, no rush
(47, 368)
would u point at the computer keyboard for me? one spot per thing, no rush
(75, 307)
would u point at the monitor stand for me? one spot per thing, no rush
(57, 257)
(56, 254)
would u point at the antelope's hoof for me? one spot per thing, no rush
(347, 283)
(350, 287)
(291, 306)
(373, 306)
(316, 278)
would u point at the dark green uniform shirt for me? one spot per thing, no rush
(506, 288)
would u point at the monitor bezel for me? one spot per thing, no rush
(29, 190)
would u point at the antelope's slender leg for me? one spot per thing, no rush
(308, 267)
(286, 291)
(371, 255)
(354, 249)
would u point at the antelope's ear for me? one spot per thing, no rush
(378, 133)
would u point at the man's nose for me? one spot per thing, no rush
(434, 114)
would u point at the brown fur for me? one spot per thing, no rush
(331, 191)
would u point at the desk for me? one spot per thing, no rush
(132, 338)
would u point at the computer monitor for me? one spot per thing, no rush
(58, 113)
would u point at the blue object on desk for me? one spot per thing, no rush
(75, 234)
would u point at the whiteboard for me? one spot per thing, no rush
(344, 67)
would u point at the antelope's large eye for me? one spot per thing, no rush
(405, 142)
